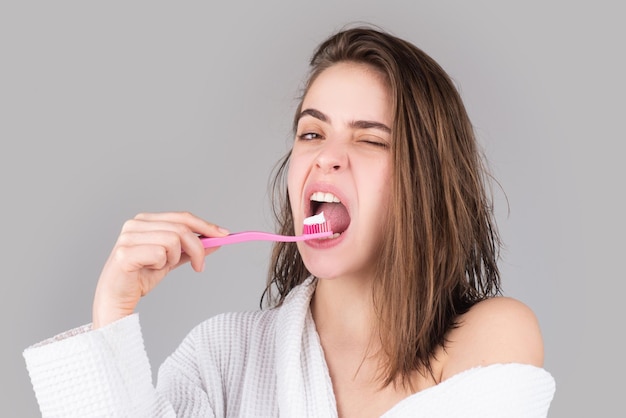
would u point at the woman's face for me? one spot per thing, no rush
(341, 165)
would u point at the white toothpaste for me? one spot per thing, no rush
(315, 219)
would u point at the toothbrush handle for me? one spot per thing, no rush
(258, 236)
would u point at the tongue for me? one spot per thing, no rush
(337, 216)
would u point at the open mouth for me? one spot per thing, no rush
(334, 211)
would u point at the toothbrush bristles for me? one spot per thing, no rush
(316, 228)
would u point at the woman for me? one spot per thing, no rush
(397, 314)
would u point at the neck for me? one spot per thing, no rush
(343, 312)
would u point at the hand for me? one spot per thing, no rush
(148, 247)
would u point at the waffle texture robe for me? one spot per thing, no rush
(267, 363)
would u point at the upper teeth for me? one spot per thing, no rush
(325, 197)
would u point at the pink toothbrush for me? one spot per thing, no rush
(314, 227)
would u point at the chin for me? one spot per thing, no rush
(320, 266)
(321, 272)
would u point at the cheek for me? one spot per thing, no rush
(384, 187)
(383, 168)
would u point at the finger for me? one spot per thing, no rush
(169, 241)
(181, 244)
(188, 226)
(191, 221)
(137, 257)
(182, 231)
(194, 251)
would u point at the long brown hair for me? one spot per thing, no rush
(440, 254)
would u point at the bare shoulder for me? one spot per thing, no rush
(496, 330)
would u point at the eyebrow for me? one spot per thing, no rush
(358, 124)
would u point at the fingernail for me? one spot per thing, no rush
(223, 230)
(202, 266)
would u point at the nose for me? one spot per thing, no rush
(332, 157)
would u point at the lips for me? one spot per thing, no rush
(335, 212)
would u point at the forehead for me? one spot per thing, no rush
(350, 88)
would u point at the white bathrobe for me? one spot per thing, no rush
(266, 363)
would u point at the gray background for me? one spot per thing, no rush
(112, 108)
